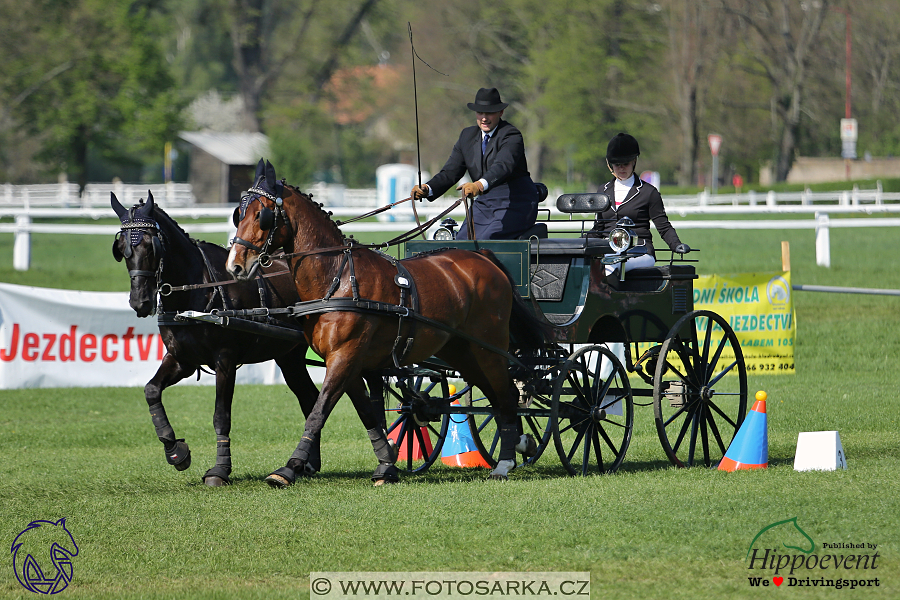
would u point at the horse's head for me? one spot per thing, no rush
(261, 224)
(41, 544)
(140, 244)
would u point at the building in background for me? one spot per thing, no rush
(222, 164)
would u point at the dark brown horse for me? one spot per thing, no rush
(467, 295)
(158, 252)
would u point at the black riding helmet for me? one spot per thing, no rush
(622, 148)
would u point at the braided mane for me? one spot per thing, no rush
(326, 214)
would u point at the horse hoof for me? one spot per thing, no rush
(281, 478)
(499, 477)
(179, 456)
(277, 481)
(380, 482)
(214, 481)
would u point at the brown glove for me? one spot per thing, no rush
(470, 190)
(419, 191)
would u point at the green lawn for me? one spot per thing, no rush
(147, 531)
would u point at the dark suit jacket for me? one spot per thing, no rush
(642, 204)
(509, 207)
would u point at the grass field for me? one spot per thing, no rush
(649, 531)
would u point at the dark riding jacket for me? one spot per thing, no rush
(509, 206)
(642, 205)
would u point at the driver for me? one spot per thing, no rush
(641, 202)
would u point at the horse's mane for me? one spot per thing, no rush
(325, 214)
(163, 216)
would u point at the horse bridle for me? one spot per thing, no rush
(268, 219)
(141, 226)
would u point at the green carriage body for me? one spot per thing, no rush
(562, 279)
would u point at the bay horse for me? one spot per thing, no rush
(468, 297)
(159, 253)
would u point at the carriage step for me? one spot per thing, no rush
(674, 391)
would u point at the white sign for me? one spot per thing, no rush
(66, 338)
(848, 130)
(715, 142)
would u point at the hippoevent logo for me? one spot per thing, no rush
(42, 556)
(778, 292)
(772, 561)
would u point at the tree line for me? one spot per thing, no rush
(93, 88)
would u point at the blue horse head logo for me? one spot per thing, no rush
(40, 545)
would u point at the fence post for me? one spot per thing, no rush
(752, 196)
(823, 242)
(22, 244)
(770, 198)
(855, 195)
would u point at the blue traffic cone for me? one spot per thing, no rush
(750, 447)
(459, 448)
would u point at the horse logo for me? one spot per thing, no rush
(778, 291)
(788, 533)
(44, 537)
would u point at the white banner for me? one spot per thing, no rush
(66, 338)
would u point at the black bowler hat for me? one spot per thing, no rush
(487, 100)
(623, 148)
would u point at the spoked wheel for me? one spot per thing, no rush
(592, 413)
(699, 389)
(415, 424)
(483, 425)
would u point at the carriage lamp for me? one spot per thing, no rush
(445, 231)
(620, 239)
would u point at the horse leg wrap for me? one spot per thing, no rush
(509, 437)
(222, 468)
(164, 430)
(300, 457)
(381, 446)
(180, 457)
(386, 470)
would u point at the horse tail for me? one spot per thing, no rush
(525, 328)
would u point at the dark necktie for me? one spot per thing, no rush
(484, 141)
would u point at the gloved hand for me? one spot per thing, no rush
(470, 190)
(682, 248)
(420, 191)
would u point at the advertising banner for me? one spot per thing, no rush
(66, 338)
(760, 309)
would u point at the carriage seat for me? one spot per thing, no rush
(538, 230)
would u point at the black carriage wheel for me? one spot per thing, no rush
(699, 389)
(411, 424)
(592, 416)
(487, 437)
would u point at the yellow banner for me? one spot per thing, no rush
(759, 308)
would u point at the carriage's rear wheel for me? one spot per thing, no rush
(415, 424)
(592, 413)
(699, 389)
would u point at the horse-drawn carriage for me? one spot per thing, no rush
(522, 329)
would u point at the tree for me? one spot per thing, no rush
(781, 38)
(98, 84)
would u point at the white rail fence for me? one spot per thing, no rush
(61, 201)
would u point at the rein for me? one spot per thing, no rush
(265, 259)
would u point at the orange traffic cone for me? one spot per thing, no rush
(417, 454)
(750, 447)
(459, 446)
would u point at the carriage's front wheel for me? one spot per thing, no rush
(699, 389)
(415, 424)
(592, 412)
